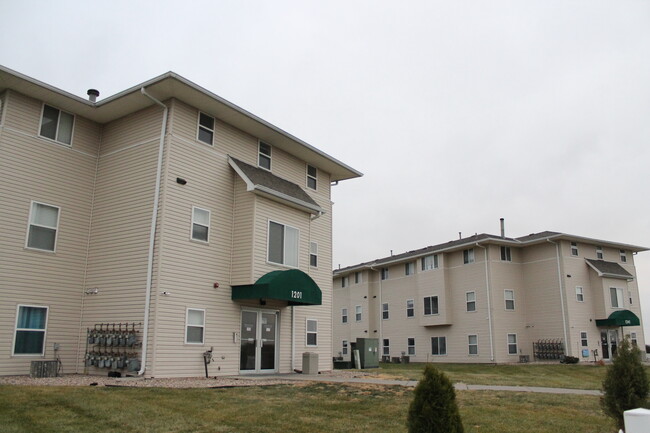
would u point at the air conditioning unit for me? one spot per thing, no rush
(44, 369)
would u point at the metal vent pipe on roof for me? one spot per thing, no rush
(503, 228)
(92, 95)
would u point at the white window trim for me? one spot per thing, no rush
(345, 282)
(360, 313)
(187, 325)
(585, 339)
(40, 126)
(385, 346)
(29, 224)
(411, 308)
(467, 302)
(207, 241)
(620, 298)
(345, 347)
(347, 317)
(516, 343)
(358, 280)
(268, 238)
(424, 304)
(409, 269)
(599, 252)
(199, 126)
(383, 274)
(470, 256)
(505, 300)
(16, 329)
(408, 347)
(312, 244)
(439, 337)
(307, 332)
(470, 345)
(582, 294)
(574, 246)
(622, 254)
(508, 254)
(269, 156)
(311, 177)
(387, 311)
(434, 263)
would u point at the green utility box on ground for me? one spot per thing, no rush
(368, 352)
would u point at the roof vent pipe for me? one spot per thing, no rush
(92, 94)
(503, 228)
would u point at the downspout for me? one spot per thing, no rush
(381, 320)
(152, 233)
(489, 301)
(559, 276)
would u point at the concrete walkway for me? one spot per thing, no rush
(413, 383)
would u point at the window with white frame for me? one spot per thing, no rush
(409, 268)
(616, 296)
(312, 177)
(633, 339)
(470, 301)
(345, 281)
(430, 305)
(205, 131)
(386, 347)
(583, 339)
(574, 248)
(264, 155)
(313, 254)
(623, 255)
(629, 296)
(509, 296)
(56, 125)
(580, 294)
(384, 273)
(506, 255)
(468, 256)
(344, 315)
(29, 334)
(599, 252)
(472, 344)
(357, 313)
(384, 311)
(357, 278)
(512, 344)
(410, 308)
(430, 262)
(200, 224)
(194, 326)
(283, 244)
(312, 332)
(43, 226)
(410, 346)
(344, 347)
(438, 345)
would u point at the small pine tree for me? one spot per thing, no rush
(626, 384)
(434, 407)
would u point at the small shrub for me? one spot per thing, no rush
(626, 385)
(434, 407)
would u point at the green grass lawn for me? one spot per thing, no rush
(282, 408)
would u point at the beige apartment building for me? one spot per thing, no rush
(141, 231)
(493, 299)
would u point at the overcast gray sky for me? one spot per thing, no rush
(458, 112)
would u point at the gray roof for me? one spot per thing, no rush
(609, 269)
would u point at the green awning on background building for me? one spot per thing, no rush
(620, 318)
(293, 286)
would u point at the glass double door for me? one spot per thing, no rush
(258, 338)
(608, 342)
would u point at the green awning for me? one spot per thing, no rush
(620, 318)
(293, 286)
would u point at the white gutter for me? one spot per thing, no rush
(293, 339)
(489, 302)
(381, 317)
(152, 233)
(559, 276)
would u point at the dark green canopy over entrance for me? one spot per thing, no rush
(293, 286)
(620, 318)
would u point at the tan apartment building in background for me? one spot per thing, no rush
(144, 230)
(493, 299)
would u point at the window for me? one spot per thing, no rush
(430, 262)
(194, 326)
(206, 129)
(583, 339)
(312, 332)
(29, 336)
(409, 268)
(472, 344)
(580, 295)
(574, 249)
(633, 339)
(264, 156)
(357, 313)
(506, 255)
(283, 244)
(430, 305)
(512, 344)
(470, 301)
(344, 315)
(623, 256)
(468, 256)
(200, 224)
(344, 347)
(616, 296)
(43, 226)
(510, 299)
(410, 308)
(357, 278)
(313, 254)
(345, 281)
(599, 252)
(438, 345)
(629, 296)
(384, 311)
(57, 125)
(386, 347)
(312, 177)
(410, 346)
(384, 273)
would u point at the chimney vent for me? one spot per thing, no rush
(92, 94)
(503, 228)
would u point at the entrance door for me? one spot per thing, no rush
(258, 341)
(608, 343)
